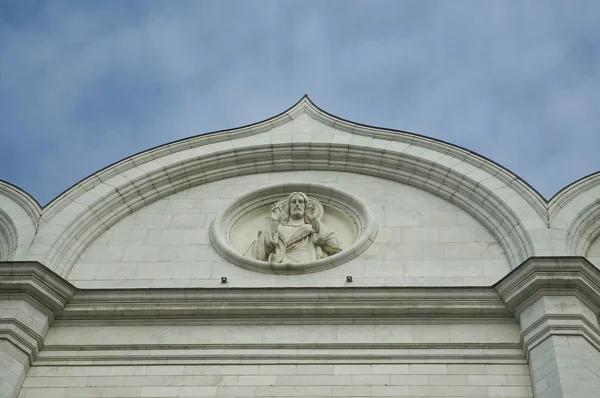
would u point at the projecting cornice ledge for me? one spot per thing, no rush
(34, 280)
(551, 276)
(32, 297)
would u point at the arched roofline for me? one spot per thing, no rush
(305, 104)
(435, 178)
(23, 198)
(561, 198)
(577, 208)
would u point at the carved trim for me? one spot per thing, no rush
(35, 280)
(9, 237)
(488, 353)
(446, 183)
(570, 192)
(21, 336)
(284, 305)
(304, 105)
(563, 275)
(348, 203)
(23, 199)
(584, 229)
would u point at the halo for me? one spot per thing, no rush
(311, 201)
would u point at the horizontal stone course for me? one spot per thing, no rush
(286, 380)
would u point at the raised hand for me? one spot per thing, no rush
(312, 216)
(277, 214)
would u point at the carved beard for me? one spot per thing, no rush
(297, 213)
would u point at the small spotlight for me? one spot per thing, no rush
(349, 278)
(223, 279)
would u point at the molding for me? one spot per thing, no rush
(559, 325)
(303, 106)
(21, 336)
(283, 305)
(540, 276)
(434, 178)
(584, 229)
(9, 237)
(32, 279)
(490, 353)
(23, 199)
(349, 204)
(563, 197)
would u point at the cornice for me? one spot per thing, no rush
(32, 279)
(194, 354)
(550, 276)
(289, 305)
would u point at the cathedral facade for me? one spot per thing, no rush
(301, 256)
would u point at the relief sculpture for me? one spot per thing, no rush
(295, 233)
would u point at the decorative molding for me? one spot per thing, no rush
(9, 237)
(490, 353)
(439, 180)
(584, 229)
(284, 305)
(563, 197)
(30, 278)
(303, 106)
(40, 288)
(21, 336)
(559, 325)
(540, 276)
(349, 204)
(23, 199)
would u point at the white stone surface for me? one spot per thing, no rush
(13, 368)
(422, 240)
(289, 380)
(593, 253)
(496, 332)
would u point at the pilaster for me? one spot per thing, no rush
(31, 297)
(556, 301)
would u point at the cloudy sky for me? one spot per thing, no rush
(87, 83)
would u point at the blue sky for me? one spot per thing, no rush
(87, 83)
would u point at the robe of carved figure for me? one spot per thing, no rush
(295, 234)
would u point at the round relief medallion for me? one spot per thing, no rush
(293, 228)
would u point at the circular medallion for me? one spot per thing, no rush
(293, 229)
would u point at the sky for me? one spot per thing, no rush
(86, 83)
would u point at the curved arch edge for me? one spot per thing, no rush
(20, 217)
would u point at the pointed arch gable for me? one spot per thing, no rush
(303, 137)
(19, 220)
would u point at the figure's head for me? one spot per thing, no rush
(296, 205)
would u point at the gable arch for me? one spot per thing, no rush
(576, 211)
(301, 138)
(19, 220)
(434, 178)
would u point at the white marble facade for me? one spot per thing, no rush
(467, 282)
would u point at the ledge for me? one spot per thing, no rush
(37, 281)
(289, 305)
(550, 276)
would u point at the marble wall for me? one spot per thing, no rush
(280, 380)
(422, 240)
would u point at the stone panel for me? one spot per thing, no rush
(422, 240)
(593, 253)
(273, 380)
